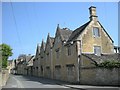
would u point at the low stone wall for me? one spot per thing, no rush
(0, 80)
(100, 76)
(5, 76)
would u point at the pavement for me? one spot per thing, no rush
(87, 87)
(19, 81)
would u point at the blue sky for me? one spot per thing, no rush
(26, 24)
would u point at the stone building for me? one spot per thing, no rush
(24, 64)
(36, 61)
(70, 54)
(62, 56)
(11, 66)
(30, 65)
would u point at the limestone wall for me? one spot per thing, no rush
(0, 80)
(100, 76)
(4, 75)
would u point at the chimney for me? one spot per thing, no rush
(92, 11)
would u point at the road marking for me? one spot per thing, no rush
(19, 83)
(14, 86)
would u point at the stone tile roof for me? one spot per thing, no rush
(30, 62)
(77, 32)
(103, 57)
(38, 49)
(28, 58)
(52, 41)
(43, 45)
(20, 62)
(65, 33)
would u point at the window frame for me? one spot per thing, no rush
(96, 32)
(69, 50)
(96, 49)
(70, 70)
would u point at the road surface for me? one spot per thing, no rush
(19, 81)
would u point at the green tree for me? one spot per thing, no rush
(6, 52)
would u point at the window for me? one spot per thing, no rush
(70, 70)
(97, 50)
(48, 71)
(41, 70)
(69, 50)
(96, 32)
(47, 56)
(57, 53)
(58, 70)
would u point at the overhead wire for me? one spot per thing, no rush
(16, 26)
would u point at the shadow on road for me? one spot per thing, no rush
(43, 80)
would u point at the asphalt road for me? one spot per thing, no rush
(19, 81)
(27, 82)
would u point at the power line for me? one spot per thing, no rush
(15, 24)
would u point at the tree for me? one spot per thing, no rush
(6, 52)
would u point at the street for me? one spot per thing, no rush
(19, 81)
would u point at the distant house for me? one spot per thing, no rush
(30, 65)
(24, 64)
(11, 66)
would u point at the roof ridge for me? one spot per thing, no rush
(77, 32)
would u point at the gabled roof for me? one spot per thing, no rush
(106, 32)
(30, 62)
(77, 32)
(21, 62)
(64, 33)
(51, 41)
(38, 49)
(43, 45)
(31, 58)
(28, 57)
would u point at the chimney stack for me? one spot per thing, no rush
(92, 11)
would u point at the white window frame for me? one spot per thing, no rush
(94, 32)
(96, 51)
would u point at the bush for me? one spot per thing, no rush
(110, 64)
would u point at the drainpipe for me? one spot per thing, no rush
(51, 57)
(78, 70)
(78, 59)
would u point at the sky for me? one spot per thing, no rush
(25, 24)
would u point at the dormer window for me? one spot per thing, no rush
(96, 32)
